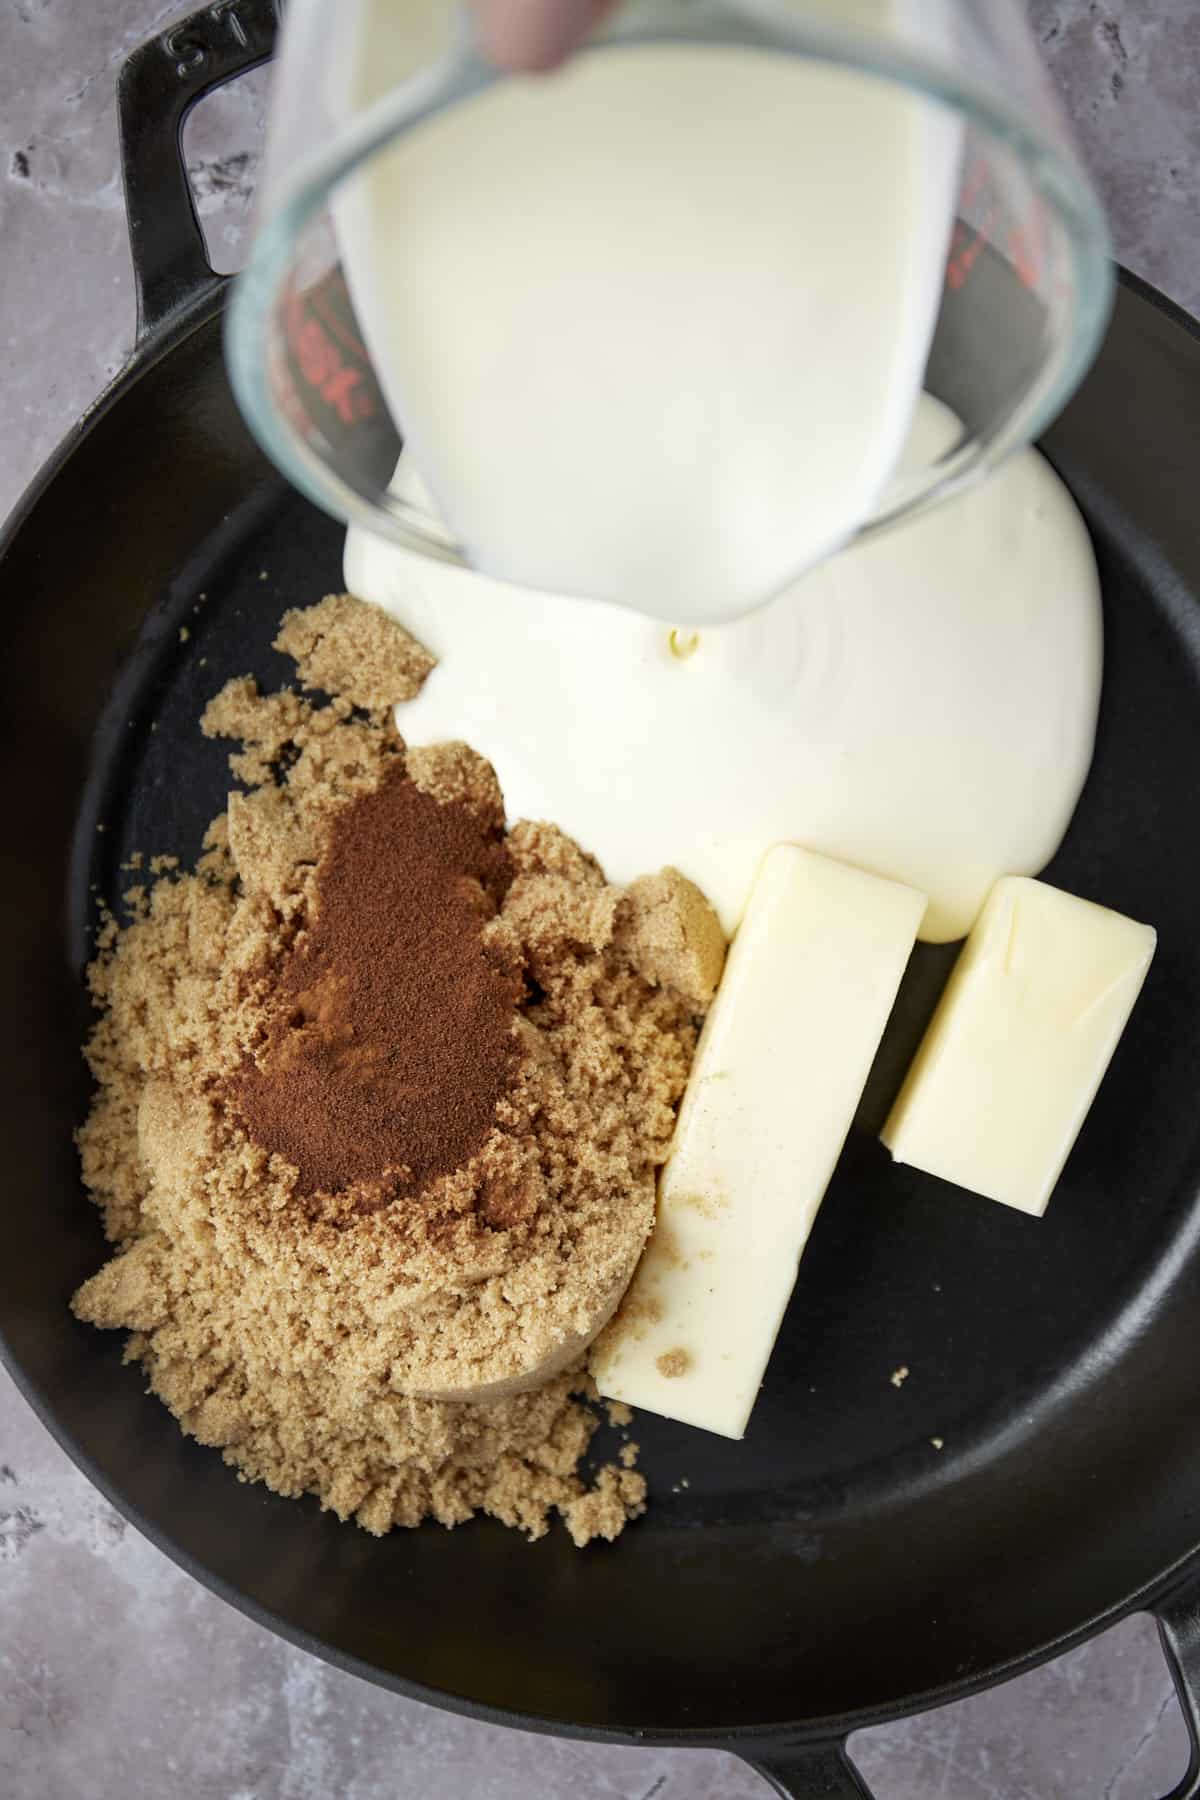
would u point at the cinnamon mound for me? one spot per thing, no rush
(390, 1036)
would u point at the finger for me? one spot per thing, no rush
(529, 35)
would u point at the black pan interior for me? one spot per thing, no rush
(836, 1563)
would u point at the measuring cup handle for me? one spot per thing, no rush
(157, 87)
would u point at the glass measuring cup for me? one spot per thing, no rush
(1027, 282)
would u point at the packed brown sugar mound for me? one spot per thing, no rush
(382, 1091)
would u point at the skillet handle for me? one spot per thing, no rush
(811, 1772)
(157, 87)
(1179, 1629)
(825, 1772)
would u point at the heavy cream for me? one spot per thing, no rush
(653, 326)
(923, 705)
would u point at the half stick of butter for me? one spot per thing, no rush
(1019, 1043)
(785, 1053)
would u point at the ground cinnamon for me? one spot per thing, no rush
(391, 1035)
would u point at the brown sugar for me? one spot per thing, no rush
(673, 935)
(356, 652)
(455, 775)
(304, 1279)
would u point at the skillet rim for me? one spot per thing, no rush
(747, 1741)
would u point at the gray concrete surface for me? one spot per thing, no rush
(119, 1676)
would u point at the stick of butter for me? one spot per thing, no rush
(785, 1053)
(1019, 1043)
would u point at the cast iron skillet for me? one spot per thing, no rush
(835, 1569)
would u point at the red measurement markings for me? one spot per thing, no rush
(1023, 243)
(319, 358)
(965, 246)
(322, 304)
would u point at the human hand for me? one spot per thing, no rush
(534, 35)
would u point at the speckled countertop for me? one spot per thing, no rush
(119, 1675)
